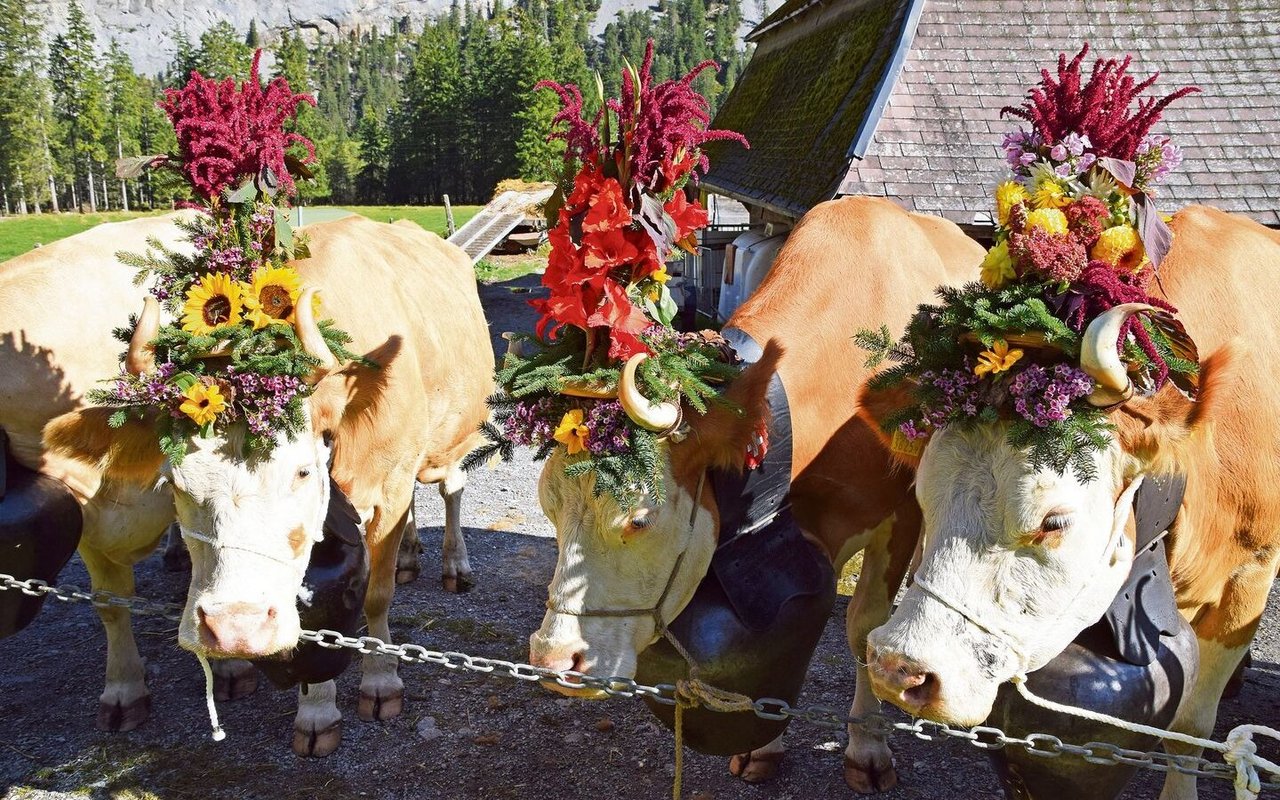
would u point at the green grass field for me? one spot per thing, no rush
(20, 234)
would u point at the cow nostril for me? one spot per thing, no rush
(271, 613)
(579, 663)
(921, 689)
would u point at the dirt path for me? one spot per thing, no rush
(461, 736)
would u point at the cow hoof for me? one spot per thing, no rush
(876, 776)
(373, 709)
(317, 744)
(458, 584)
(235, 681)
(755, 768)
(119, 718)
(407, 574)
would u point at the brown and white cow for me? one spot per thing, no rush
(409, 301)
(850, 263)
(985, 563)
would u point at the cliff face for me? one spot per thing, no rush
(145, 28)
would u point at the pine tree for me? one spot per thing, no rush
(223, 53)
(125, 102)
(293, 62)
(26, 161)
(79, 103)
(253, 39)
(186, 59)
(425, 153)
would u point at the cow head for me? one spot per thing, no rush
(249, 519)
(1017, 561)
(620, 570)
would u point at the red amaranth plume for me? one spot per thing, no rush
(580, 138)
(228, 133)
(1098, 109)
(667, 121)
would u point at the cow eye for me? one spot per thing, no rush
(305, 472)
(638, 523)
(1056, 522)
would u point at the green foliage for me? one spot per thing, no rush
(79, 103)
(223, 53)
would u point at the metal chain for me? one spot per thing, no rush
(982, 737)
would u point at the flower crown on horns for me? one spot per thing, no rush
(245, 346)
(605, 374)
(1061, 326)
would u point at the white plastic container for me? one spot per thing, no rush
(736, 258)
(760, 262)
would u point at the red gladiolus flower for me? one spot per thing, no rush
(228, 133)
(623, 345)
(689, 217)
(674, 171)
(647, 262)
(607, 209)
(604, 250)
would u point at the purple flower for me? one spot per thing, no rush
(1043, 397)
(1058, 152)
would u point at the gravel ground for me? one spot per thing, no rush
(461, 736)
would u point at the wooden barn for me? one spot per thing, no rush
(902, 99)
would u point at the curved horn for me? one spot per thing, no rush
(656, 417)
(141, 358)
(313, 343)
(1100, 358)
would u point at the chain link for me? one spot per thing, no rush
(982, 737)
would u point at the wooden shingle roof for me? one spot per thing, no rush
(935, 146)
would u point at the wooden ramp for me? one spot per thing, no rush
(496, 221)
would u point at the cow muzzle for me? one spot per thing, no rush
(239, 630)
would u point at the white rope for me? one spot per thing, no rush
(1239, 750)
(218, 733)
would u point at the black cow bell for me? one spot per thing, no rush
(40, 525)
(1136, 663)
(752, 627)
(332, 597)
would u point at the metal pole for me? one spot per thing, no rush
(448, 216)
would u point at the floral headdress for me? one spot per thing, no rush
(605, 374)
(234, 354)
(1061, 326)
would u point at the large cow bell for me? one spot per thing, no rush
(1136, 664)
(40, 524)
(331, 597)
(752, 627)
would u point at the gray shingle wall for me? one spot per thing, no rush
(937, 150)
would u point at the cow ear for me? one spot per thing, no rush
(129, 453)
(1162, 432)
(719, 439)
(878, 405)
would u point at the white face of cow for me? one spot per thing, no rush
(250, 524)
(1016, 563)
(615, 560)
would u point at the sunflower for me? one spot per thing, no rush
(998, 359)
(572, 431)
(202, 403)
(271, 296)
(212, 303)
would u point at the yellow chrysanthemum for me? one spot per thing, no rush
(1008, 195)
(1050, 194)
(998, 359)
(997, 267)
(1050, 220)
(1120, 247)
(572, 432)
(202, 403)
(211, 303)
(271, 296)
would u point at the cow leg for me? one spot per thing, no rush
(125, 702)
(381, 690)
(759, 765)
(457, 568)
(407, 567)
(1224, 632)
(317, 730)
(233, 678)
(868, 761)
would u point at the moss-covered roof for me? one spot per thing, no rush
(801, 102)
